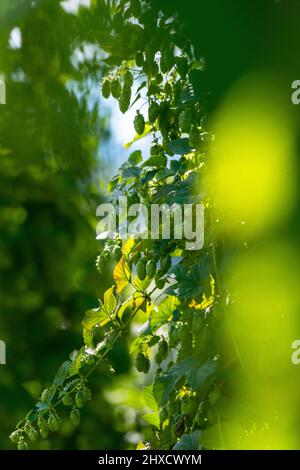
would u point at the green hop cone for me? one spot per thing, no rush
(163, 348)
(67, 400)
(27, 428)
(14, 437)
(87, 394)
(43, 428)
(79, 399)
(125, 97)
(151, 268)
(106, 88)
(139, 123)
(22, 445)
(33, 435)
(165, 263)
(160, 283)
(100, 263)
(115, 88)
(142, 363)
(75, 416)
(141, 269)
(53, 422)
(90, 360)
(128, 78)
(185, 121)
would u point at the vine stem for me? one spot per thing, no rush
(102, 356)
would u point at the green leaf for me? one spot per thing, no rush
(189, 441)
(179, 146)
(113, 183)
(164, 384)
(110, 302)
(156, 161)
(121, 274)
(88, 337)
(135, 157)
(95, 316)
(62, 373)
(76, 363)
(149, 399)
(142, 285)
(197, 376)
(163, 312)
(131, 172)
(189, 281)
(152, 418)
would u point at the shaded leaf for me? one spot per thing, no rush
(189, 441)
(163, 312)
(76, 364)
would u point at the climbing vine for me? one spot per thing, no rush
(176, 288)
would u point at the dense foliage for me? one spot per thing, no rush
(205, 378)
(156, 68)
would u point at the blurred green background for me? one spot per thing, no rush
(51, 171)
(54, 139)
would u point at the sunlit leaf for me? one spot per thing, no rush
(121, 274)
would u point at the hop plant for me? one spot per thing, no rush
(43, 427)
(139, 123)
(128, 78)
(151, 268)
(142, 363)
(53, 422)
(22, 445)
(106, 88)
(75, 416)
(141, 269)
(125, 97)
(115, 88)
